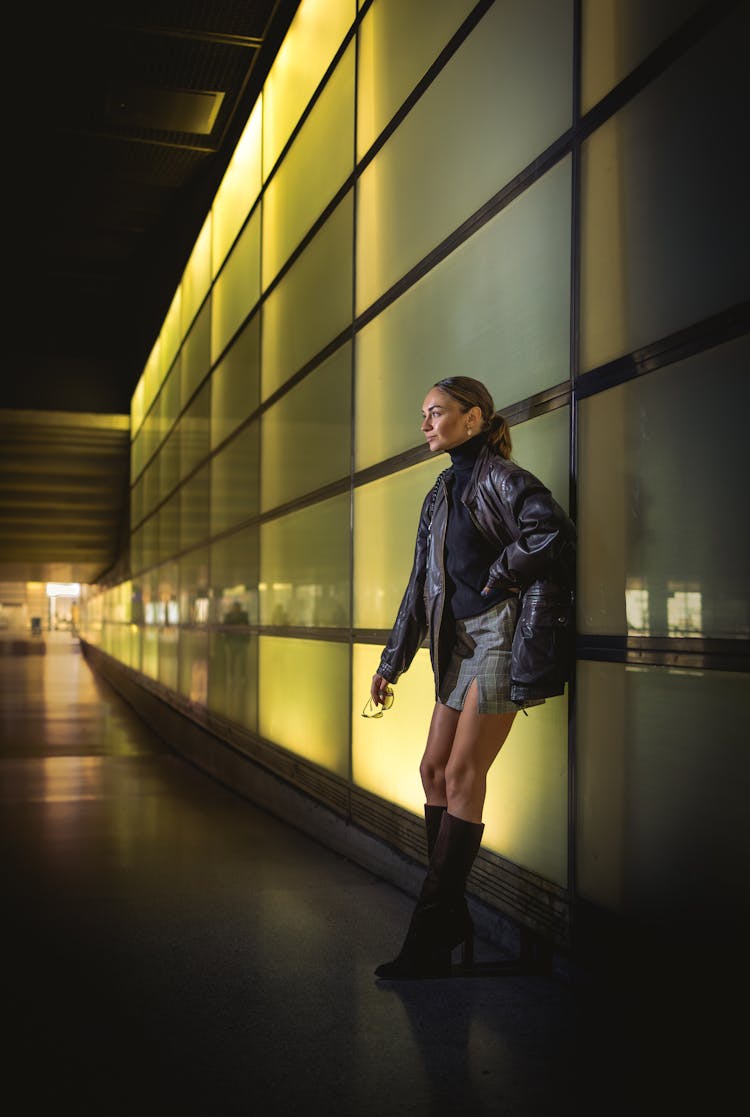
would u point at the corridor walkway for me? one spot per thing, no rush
(169, 948)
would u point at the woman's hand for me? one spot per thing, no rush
(378, 688)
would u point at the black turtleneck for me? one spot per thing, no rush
(468, 555)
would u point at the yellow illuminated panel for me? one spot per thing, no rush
(500, 101)
(304, 566)
(306, 434)
(319, 161)
(386, 751)
(525, 812)
(192, 679)
(152, 375)
(313, 302)
(235, 383)
(397, 44)
(316, 724)
(498, 308)
(196, 279)
(171, 337)
(195, 359)
(234, 480)
(136, 407)
(238, 189)
(237, 289)
(314, 36)
(386, 515)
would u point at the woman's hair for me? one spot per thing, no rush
(469, 393)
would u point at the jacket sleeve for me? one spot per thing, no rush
(410, 627)
(542, 528)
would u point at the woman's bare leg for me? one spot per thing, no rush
(477, 739)
(436, 754)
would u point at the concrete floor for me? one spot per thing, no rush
(171, 948)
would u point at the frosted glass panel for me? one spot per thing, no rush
(316, 165)
(526, 807)
(197, 277)
(314, 36)
(498, 308)
(169, 528)
(170, 338)
(233, 676)
(238, 189)
(234, 577)
(616, 35)
(542, 446)
(169, 464)
(386, 515)
(313, 302)
(193, 670)
(304, 566)
(170, 399)
(237, 289)
(663, 550)
(194, 587)
(500, 101)
(168, 662)
(195, 359)
(316, 724)
(234, 480)
(665, 239)
(235, 383)
(193, 432)
(306, 435)
(662, 791)
(194, 509)
(397, 44)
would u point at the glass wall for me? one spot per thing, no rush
(448, 187)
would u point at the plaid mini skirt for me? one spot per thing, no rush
(482, 651)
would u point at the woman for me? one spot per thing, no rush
(488, 531)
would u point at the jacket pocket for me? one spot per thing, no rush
(542, 645)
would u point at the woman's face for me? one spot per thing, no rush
(444, 424)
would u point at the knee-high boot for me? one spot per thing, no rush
(433, 816)
(440, 920)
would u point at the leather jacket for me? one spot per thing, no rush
(535, 541)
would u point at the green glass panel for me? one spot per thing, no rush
(237, 288)
(498, 308)
(136, 503)
(665, 240)
(150, 541)
(196, 278)
(194, 509)
(662, 792)
(234, 576)
(235, 383)
(312, 304)
(616, 35)
(317, 164)
(501, 100)
(168, 639)
(397, 44)
(306, 435)
(195, 359)
(304, 566)
(386, 514)
(662, 550)
(234, 480)
(542, 446)
(316, 724)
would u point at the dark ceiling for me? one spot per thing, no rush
(122, 118)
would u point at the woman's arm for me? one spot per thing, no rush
(545, 534)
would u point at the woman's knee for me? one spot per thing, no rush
(460, 779)
(432, 776)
